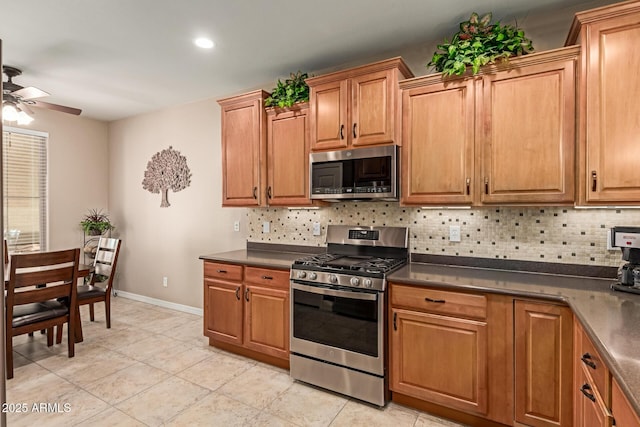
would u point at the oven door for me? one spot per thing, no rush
(345, 327)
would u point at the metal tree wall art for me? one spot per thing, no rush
(167, 170)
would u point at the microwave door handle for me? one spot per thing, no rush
(335, 293)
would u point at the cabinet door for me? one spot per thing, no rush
(328, 110)
(623, 413)
(372, 108)
(288, 158)
(543, 364)
(223, 311)
(612, 60)
(439, 359)
(266, 320)
(590, 410)
(438, 139)
(243, 151)
(527, 123)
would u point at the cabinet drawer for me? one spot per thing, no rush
(590, 359)
(223, 271)
(267, 277)
(439, 301)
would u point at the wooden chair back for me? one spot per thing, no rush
(104, 264)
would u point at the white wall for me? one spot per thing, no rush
(167, 242)
(78, 172)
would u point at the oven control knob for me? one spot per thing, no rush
(355, 281)
(367, 283)
(312, 276)
(333, 278)
(302, 274)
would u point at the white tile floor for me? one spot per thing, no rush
(154, 367)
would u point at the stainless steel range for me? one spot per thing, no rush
(338, 310)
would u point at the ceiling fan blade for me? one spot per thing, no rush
(25, 107)
(29, 93)
(57, 107)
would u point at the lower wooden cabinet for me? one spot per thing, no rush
(589, 408)
(623, 413)
(440, 359)
(543, 364)
(248, 308)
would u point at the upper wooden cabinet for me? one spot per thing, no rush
(503, 137)
(288, 156)
(244, 139)
(608, 118)
(356, 107)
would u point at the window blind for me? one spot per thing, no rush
(25, 189)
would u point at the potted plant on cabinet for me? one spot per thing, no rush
(96, 223)
(479, 43)
(294, 90)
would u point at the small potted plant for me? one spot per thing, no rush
(294, 90)
(96, 223)
(479, 43)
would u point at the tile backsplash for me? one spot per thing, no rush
(547, 234)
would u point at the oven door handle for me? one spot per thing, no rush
(335, 293)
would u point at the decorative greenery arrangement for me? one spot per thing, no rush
(293, 90)
(96, 223)
(479, 43)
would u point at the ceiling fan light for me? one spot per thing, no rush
(24, 118)
(9, 113)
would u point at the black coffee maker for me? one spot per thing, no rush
(628, 240)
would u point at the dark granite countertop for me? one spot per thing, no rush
(611, 319)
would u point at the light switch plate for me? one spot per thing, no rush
(316, 228)
(454, 233)
(266, 227)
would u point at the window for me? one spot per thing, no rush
(24, 155)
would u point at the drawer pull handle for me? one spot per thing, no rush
(255, 193)
(238, 293)
(438, 301)
(586, 359)
(395, 320)
(594, 180)
(221, 271)
(585, 390)
(341, 131)
(468, 186)
(355, 126)
(269, 192)
(486, 185)
(267, 278)
(246, 294)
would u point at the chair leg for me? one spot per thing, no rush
(50, 336)
(71, 339)
(91, 313)
(107, 309)
(9, 354)
(59, 333)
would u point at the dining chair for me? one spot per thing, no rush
(30, 306)
(99, 288)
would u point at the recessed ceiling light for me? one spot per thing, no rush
(203, 42)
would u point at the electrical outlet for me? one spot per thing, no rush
(454, 233)
(236, 225)
(165, 281)
(266, 227)
(316, 228)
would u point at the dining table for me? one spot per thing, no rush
(84, 270)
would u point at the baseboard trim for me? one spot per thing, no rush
(161, 303)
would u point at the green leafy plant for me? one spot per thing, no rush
(479, 43)
(293, 90)
(96, 222)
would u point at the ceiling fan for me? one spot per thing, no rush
(18, 100)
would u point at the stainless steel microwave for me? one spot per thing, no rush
(359, 173)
